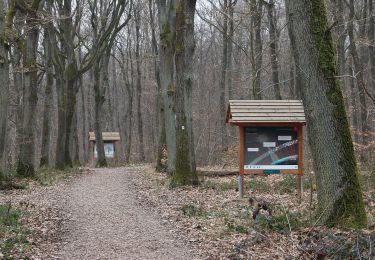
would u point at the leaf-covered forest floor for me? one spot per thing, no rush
(39, 222)
(222, 226)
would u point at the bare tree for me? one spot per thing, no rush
(340, 199)
(26, 158)
(4, 89)
(161, 145)
(274, 46)
(185, 44)
(48, 98)
(137, 20)
(358, 67)
(256, 8)
(167, 20)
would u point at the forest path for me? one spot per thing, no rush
(104, 220)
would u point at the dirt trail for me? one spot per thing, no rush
(104, 220)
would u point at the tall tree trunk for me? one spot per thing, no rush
(26, 158)
(167, 17)
(353, 101)
(256, 7)
(340, 35)
(161, 145)
(231, 6)
(84, 133)
(61, 121)
(185, 44)
(48, 99)
(4, 90)
(222, 108)
(139, 85)
(340, 201)
(358, 67)
(371, 51)
(70, 74)
(274, 46)
(371, 39)
(75, 144)
(99, 101)
(130, 92)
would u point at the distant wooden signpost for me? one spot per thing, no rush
(270, 137)
(110, 140)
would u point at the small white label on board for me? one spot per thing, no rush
(284, 138)
(269, 144)
(253, 149)
(271, 167)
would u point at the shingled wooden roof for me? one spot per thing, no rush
(264, 111)
(107, 136)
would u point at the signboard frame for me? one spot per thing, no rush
(242, 151)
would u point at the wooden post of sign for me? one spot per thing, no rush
(300, 163)
(241, 154)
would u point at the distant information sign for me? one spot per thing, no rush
(271, 148)
(108, 150)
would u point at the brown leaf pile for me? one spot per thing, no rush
(220, 226)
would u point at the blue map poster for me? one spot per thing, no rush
(271, 148)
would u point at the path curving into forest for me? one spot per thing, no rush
(104, 220)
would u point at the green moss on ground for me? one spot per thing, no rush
(13, 236)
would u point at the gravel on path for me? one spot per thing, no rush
(104, 220)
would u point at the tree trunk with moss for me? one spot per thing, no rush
(71, 77)
(167, 17)
(61, 121)
(25, 164)
(185, 44)
(99, 101)
(340, 201)
(161, 141)
(4, 89)
(48, 98)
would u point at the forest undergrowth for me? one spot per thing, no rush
(29, 230)
(269, 222)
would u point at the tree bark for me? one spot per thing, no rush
(274, 48)
(256, 7)
(340, 201)
(130, 92)
(48, 99)
(167, 16)
(4, 90)
(358, 67)
(71, 77)
(224, 66)
(99, 101)
(161, 141)
(61, 121)
(340, 35)
(25, 166)
(139, 85)
(185, 44)
(232, 4)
